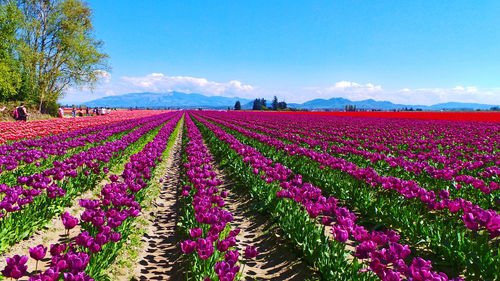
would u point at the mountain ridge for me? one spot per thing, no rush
(176, 99)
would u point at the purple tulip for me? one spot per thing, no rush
(188, 246)
(69, 222)
(78, 261)
(113, 178)
(196, 232)
(231, 257)
(251, 252)
(205, 248)
(57, 249)
(470, 221)
(223, 245)
(115, 236)
(38, 253)
(364, 249)
(340, 234)
(16, 267)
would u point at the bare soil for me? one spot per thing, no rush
(276, 259)
(160, 258)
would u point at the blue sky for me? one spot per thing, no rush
(413, 52)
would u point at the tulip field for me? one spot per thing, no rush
(348, 197)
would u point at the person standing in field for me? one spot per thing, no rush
(22, 113)
(61, 112)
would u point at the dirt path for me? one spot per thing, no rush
(276, 259)
(161, 257)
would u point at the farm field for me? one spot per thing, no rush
(216, 195)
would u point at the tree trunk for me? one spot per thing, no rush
(41, 102)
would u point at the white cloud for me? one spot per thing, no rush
(346, 89)
(352, 86)
(429, 96)
(104, 76)
(161, 83)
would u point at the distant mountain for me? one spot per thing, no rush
(340, 103)
(459, 106)
(183, 100)
(165, 100)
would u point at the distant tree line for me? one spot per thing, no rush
(350, 107)
(278, 105)
(47, 46)
(261, 104)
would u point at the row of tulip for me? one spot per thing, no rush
(481, 174)
(474, 216)
(31, 150)
(211, 246)
(423, 155)
(105, 222)
(78, 146)
(40, 176)
(418, 141)
(30, 174)
(33, 200)
(474, 155)
(473, 253)
(462, 140)
(14, 131)
(385, 256)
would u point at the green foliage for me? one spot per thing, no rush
(259, 104)
(45, 48)
(10, 77)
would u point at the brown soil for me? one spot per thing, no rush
(160, 258)
(276, 260)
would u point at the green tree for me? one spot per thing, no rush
(282, 105)
(257, 105)
(10, 77)
(263, 103)
(237, 105)
(59, 49)
(274, 104)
